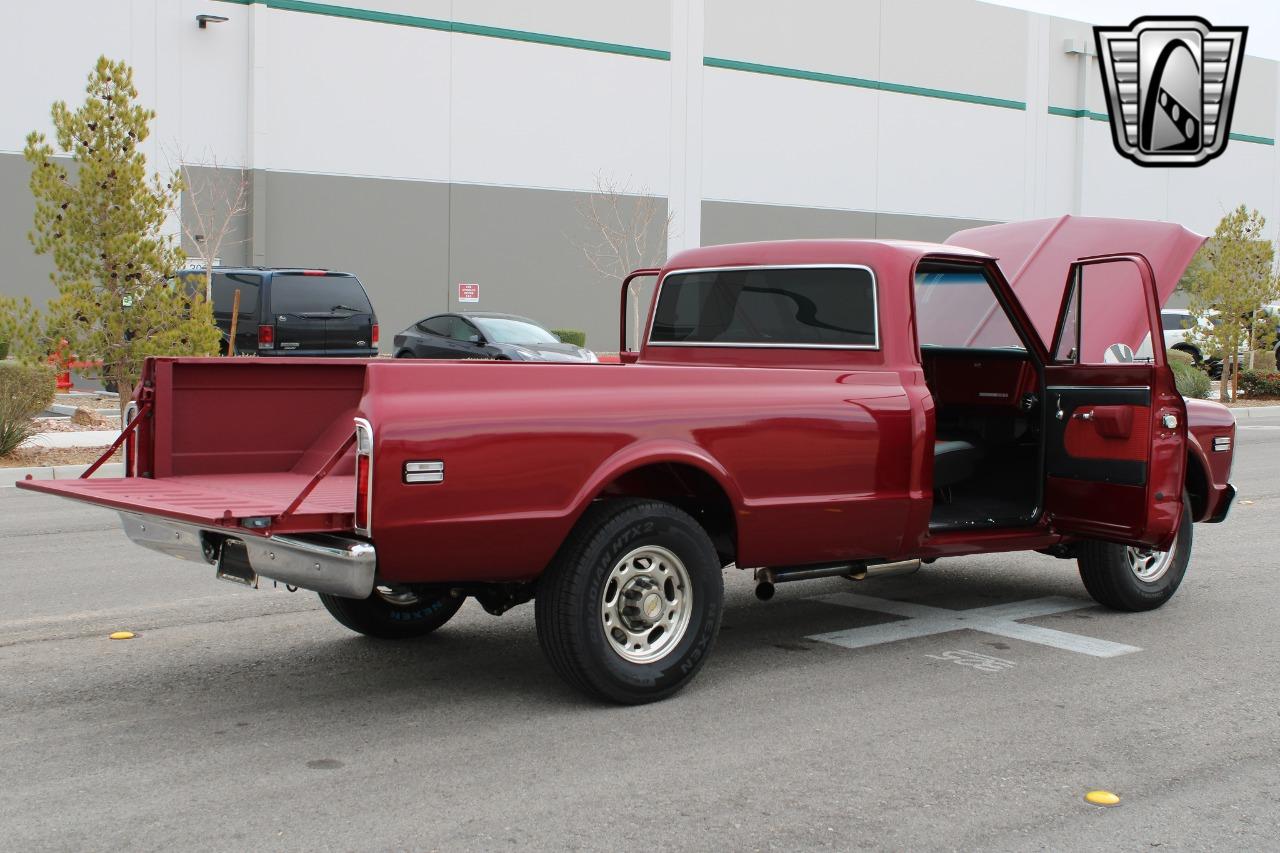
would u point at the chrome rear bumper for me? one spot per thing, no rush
(322, 562)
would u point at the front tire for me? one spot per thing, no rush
(392, 613)
(1136, 579)
(629, 609)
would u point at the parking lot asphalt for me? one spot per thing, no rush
(241, 719)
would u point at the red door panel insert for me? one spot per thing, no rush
(1113, 432)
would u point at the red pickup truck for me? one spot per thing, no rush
(800, 409)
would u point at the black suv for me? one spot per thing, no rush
(294, 312)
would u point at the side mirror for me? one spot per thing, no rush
(1118, 354)
(475, 339)
(625, 355)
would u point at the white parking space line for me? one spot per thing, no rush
(1060, 639)
(1257, 426)
(1001, 620)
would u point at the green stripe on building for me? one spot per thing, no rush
(1067, 112)
(860, 83)
(399, 20)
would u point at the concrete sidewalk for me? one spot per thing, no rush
(80, 438)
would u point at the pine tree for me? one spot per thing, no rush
(101, 218)
(1229, 282)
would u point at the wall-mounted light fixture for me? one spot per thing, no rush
(205, 20)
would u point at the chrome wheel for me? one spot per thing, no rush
(399, 596)
(1148, 565)
(646, 604)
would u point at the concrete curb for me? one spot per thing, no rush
(10, 476)
(1251, 411)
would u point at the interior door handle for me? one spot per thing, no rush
(1084, 416)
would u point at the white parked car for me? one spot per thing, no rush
(1175, 322)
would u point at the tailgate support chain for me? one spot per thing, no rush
(319, 475)
(125, 433)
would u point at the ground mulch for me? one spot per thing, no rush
(33, 457)
(68, 425)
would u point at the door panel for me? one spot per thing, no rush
(1083, 446)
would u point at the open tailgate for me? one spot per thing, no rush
(255, 501)
(230, 443)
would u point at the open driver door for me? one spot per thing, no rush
(1115, 426)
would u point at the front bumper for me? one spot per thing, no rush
(338, 565)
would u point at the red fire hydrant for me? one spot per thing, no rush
(61, 360)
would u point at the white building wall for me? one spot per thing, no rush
(895, 122)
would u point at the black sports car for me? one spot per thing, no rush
(474, 334)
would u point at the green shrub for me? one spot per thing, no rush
(1177, 355)
(26, 390)
(571, 336)
(1257, 385)
(1191, 381)
(4, 349)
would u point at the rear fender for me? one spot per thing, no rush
(654, 453)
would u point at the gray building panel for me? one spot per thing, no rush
(524, 248)
(25, 272)
(733, 222)
(393, 235)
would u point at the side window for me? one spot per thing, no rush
(437, 326)
(768, 306)
(225, 286)
(1068, 346)
(461, 330)
(1110, 305)
(957, 308)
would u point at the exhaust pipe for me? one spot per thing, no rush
(886, 570)
(767, 578)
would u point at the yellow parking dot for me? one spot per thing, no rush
(122, 635)
(1102, 798)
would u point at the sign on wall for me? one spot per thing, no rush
(468, 292)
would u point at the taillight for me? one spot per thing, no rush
(266, 337)
(364, 476)
(374, 335)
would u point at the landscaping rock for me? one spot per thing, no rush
(88, 418)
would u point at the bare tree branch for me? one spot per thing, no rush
(616, 222)
(217, 202)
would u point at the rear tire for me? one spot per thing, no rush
(1133, 579)
(393, 614)
(629, 609)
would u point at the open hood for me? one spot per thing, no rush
(1036, 257)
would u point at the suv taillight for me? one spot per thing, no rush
(373, 338)
(266, 337)
(364, 476)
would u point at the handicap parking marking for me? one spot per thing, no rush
(1001, 619)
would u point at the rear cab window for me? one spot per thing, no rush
(817, 307)
(306, 293)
